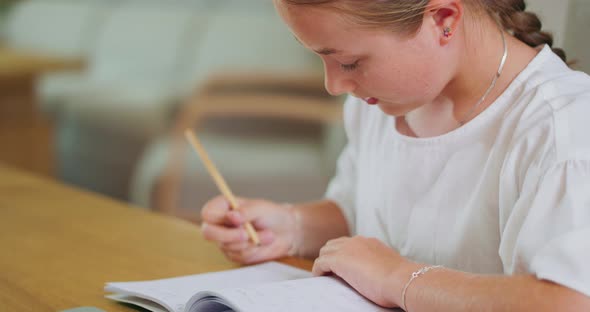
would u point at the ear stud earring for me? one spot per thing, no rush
(447, 32)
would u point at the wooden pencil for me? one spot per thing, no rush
(218, 179)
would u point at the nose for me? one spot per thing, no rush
(336, 82)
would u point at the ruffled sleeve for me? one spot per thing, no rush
(547, 232)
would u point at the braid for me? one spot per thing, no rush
(524, 25)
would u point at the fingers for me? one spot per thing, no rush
(255, 211)
(223, 234)
(243, 257)
(226, 227)
(248, 253)
(329, 248)
(332, 246)
(252, 254)
(266, 238)
(235, 246)
(218, 211)
(323, 264)
(215, 211)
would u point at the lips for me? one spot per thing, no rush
(371, 100)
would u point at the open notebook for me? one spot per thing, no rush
(265, 287)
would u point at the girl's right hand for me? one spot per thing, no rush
(275, 224)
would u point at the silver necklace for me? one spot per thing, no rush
(492, 85)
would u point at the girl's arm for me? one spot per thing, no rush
(381, 273)
(316, 224)
(447, 290)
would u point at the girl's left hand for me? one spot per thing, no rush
(366, 264)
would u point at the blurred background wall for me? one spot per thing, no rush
(97, 93)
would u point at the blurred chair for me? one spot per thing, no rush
(254, 42)
(149, 56)
(106, 115)
(271, 136)
(58, 28)
(138, 56)
(247, 38)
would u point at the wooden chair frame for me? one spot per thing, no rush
(302, 97)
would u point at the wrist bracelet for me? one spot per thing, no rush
(412, 278)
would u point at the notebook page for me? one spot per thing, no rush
(174, 293)
(310, 294)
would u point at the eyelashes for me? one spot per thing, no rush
(349, 67)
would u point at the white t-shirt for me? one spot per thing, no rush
(509, 192)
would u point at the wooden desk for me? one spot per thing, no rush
(60, 245)
(26, 137)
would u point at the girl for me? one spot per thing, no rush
(467, 171)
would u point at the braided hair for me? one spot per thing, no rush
(524, 25)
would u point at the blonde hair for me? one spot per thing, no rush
(406, 16)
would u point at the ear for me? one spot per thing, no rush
(446, 17)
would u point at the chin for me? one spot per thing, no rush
(393, 110)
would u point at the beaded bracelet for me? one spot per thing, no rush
(412, 278)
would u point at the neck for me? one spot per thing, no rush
(483, 50)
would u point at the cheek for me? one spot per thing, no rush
(406, 79)
(401, 82)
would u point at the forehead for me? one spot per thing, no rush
(320, 17)
(319, 27)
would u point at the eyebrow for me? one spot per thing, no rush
(324, 51)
